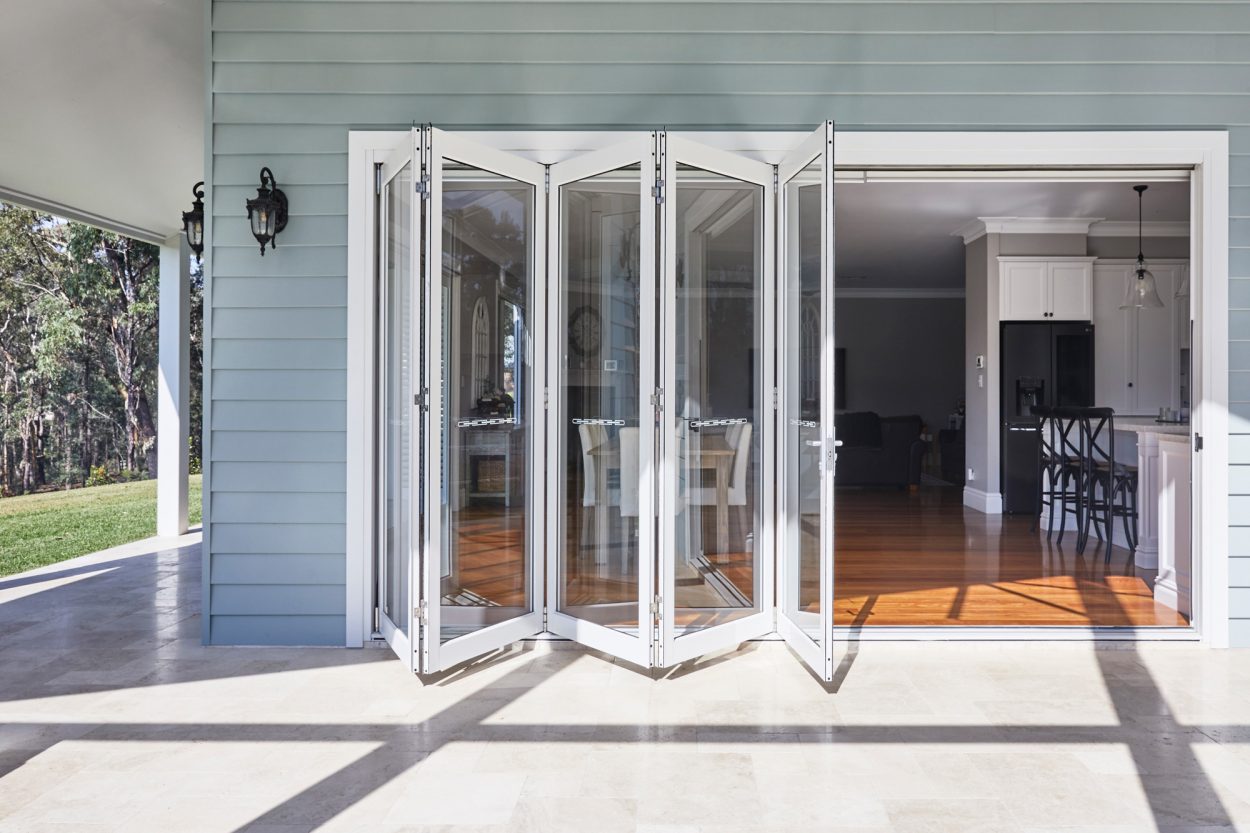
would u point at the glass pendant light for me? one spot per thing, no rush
(1141, 291)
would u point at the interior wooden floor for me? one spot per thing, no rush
(902, 559)
(922, 558)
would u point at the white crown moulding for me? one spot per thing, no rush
(981, 226)
(1089, 226)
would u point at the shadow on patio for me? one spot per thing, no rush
(115, 718)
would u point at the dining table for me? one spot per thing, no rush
(698, 451)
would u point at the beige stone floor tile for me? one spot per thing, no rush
(460, 798)
(548, 736)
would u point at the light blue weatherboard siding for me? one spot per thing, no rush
(290, 78)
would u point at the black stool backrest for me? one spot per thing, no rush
(1070, 441)
(1098, 428)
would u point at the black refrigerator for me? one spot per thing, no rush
(1042, 364)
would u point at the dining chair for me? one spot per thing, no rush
(629, 494)
(590, 436)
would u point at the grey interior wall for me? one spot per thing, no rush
(1049, 245)
(920, 373)
(289, 79)
(981, 426)
(1127, 247)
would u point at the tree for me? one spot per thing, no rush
(114, 282)
(78, 352)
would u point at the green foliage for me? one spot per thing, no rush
(36, 530)
(78, 353)
(99, 476)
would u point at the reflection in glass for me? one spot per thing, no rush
(719, 397)
(597, 447)
(397, 393)
(487, 292)
(800, 409)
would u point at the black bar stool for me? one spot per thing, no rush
(1111, 487)
(1066, 472)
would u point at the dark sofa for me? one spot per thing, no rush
(879, 451)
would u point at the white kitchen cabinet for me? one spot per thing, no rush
(1045, 289)
(1022, 294)
(1137, 351)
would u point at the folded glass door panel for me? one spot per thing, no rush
(601, 417)
(481, 563)
(715, 535)
(806, 366)
(398, 325)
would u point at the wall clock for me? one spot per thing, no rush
(585, 331)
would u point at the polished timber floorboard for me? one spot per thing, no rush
(903, 559)
(922, 558)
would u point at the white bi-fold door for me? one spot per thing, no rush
(806, 441)
(610, 436)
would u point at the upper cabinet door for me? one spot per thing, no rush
(1155, 375)
(1071, 290)
(1113, 340)
(1022, 291)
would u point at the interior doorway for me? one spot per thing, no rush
(1011, 289)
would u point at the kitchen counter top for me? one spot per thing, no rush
(1147, 425)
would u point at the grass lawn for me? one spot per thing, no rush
(46, 528)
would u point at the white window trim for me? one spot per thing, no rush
(1205, 150)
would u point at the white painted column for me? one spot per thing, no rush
(172, 409)
(1147, 556)
(1173, 586)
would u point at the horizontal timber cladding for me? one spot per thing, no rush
(290, 78)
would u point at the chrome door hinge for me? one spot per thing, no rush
(423, 186)
(657, 191)
(776, 180)
(422, 613)
(657, 399)
(422, 399)
(776, 400)
(546, 398)
(657, 608)
(546, 179)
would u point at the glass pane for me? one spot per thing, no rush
(800, 409)
(397, 433)
(719, 397)
(597, 448)
(487, 422)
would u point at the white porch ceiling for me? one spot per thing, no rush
(102, 105)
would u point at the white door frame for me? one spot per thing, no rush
(675, 647)
(635, 148)
(438, 654)
(1205, 151)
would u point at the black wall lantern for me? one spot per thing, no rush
(193, 221)
(267, 212)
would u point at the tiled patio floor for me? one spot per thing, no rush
(113, 717)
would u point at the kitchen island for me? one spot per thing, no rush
(1162, 451)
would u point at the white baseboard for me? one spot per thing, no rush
(990, 504)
